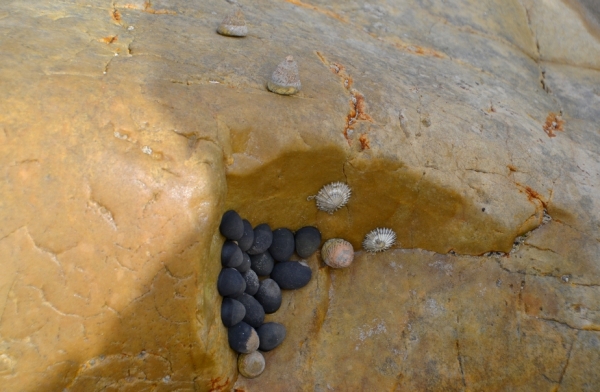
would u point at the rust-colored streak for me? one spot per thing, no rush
(340, 70)
(358, 107)
(361, 107)
(109, 40)
(532, 194)
(217, 386)
(116, 15)
(323, 11)
(364, 142)
(414, 49)
(148, 9)
(554, 122)
(512, 168)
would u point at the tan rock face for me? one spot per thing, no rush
(126, 129)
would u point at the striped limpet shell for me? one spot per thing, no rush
(332, 197)
(379, 240)
(337, 253)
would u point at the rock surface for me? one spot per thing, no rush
(128, 128)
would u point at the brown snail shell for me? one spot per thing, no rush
(337, 253)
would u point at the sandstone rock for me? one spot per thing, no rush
(128, 128)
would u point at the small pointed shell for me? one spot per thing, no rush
(337, 253)
(332, 197)
(234, 24)
(379, 240)
(285, 79)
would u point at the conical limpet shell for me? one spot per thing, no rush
(337, 253)
(234, 24)
(285, 79)
(379, 240)
(332, 197)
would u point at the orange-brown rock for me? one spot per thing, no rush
(128, 128)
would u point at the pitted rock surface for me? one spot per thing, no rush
(128, 128)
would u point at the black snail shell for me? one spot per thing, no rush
(255, 314)
(263, 237)
(230, 283)
(252, 282)
(243, 338)
(282, 247)
(269, 295)
(232, 312)
(231, 255)
(308, 240)
(247, 238)
(291, 275)
(246, 263)
(270, 335)
(262, 263)
(231, 226)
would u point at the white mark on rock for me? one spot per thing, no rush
(119, 135)
(147, 150)
(368, 331)
(442, 266)
(433, 307)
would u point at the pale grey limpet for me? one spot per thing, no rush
(379, 240)
(332, 197)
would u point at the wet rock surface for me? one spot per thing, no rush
(127, 129)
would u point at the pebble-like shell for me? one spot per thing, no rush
(308, 240)
(337, 253)
(247, 238)
(234, 24)
(262, 263)
(332, 197)
(263, 238)
(285, 79)
(232, 226)
(255, 313)
(291, 275)
(243, 338)
(271, 335)
(379, 240)
(231, 255)
(252, 282)
(282, 247)
(230, 283)
(251, 365)
(269, 295)
(232, 312)
(246, 263)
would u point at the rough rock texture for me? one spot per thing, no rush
(128, 128)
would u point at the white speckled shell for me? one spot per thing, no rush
(234, 24)
(379, 240)
(337, 253)
(332, 197)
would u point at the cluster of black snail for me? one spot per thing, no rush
(257, 264)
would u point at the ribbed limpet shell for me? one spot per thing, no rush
(332, 197)
(337, 253)
(379, 240)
